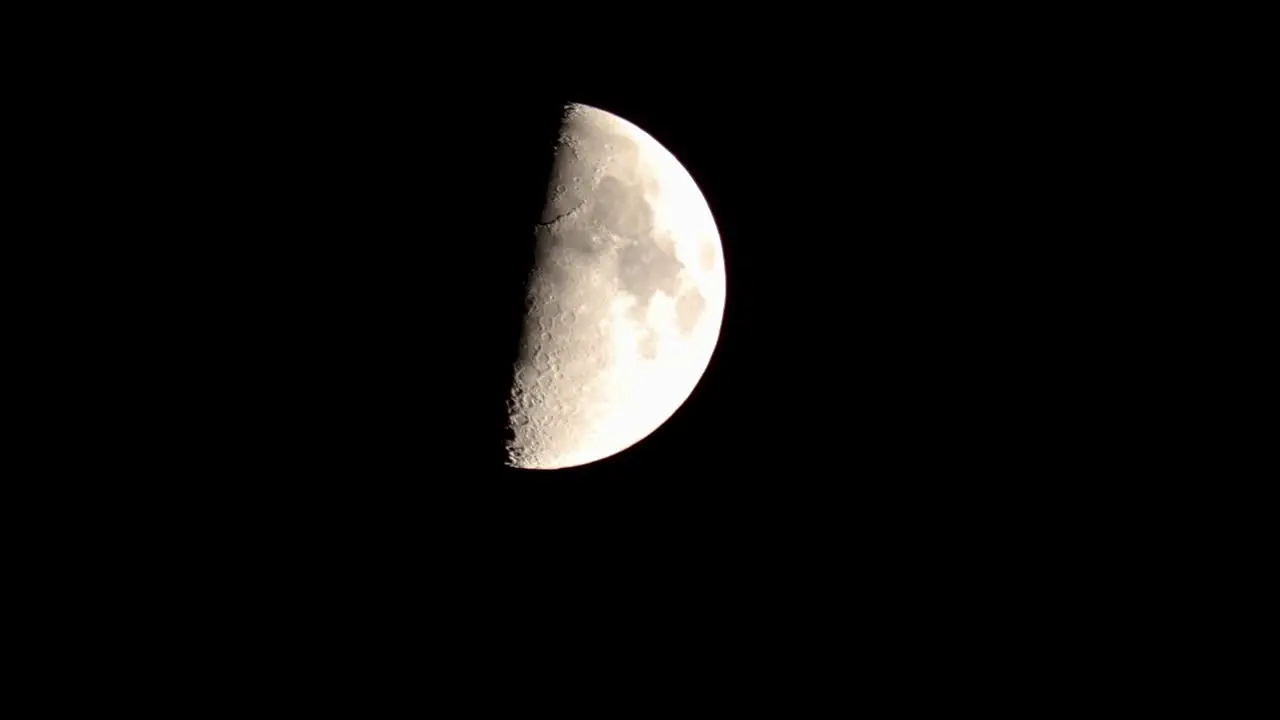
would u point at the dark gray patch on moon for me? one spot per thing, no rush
(579, 239)
(621, 209)
(597, 209)
(622, 151)
(611, 214)
(645, 267)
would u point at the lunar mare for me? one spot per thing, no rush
(626, 298)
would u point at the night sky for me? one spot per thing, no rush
(354, 258)
(305, 258)
(338, 270)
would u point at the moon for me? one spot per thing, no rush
(625, 301)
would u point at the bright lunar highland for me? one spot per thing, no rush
(625, 301)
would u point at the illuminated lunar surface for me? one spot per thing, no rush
(626, 298)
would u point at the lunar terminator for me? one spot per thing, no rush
(625, 302)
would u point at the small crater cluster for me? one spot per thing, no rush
(559, 364)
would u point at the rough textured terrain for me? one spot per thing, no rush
(626, 299)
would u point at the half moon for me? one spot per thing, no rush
(626, 298)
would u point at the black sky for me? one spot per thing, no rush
(343, 284)
(299, 262)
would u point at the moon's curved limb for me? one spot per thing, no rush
(626, 300)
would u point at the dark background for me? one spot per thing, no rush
(305, 254)
(334, 247)
(288, 256)
(321, 253)
(886, 363)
